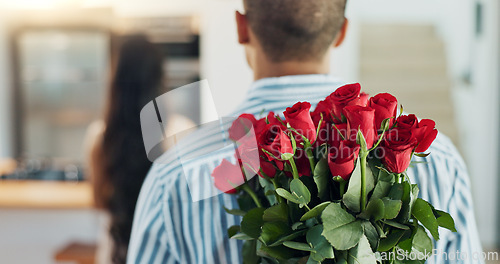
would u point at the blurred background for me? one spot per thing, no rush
(441, 58)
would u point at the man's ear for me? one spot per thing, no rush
(242, 27)
(341, 35)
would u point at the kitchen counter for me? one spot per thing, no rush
(45, 195)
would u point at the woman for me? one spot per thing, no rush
(118, 160)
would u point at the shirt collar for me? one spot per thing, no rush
(295, 85)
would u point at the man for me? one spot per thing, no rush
(287, 44)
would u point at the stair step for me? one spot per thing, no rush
(413, 59)
(405, 73)
(409, 61)
(404, 65)
(436, 112)
(404, 96)
(397, 30)
(390, 52)
(396, 83)
(389, 46)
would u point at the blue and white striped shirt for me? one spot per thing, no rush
(169, 227)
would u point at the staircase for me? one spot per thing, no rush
(409, 62)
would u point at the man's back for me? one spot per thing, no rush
(171, 226)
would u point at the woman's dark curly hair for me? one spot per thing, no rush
(136, 81)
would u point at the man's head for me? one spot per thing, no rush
(291, 30)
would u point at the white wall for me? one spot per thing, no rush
(223, 61)
(5, 95)
(477, 105)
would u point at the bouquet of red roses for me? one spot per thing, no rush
(332, 185)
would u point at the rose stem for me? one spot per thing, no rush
(310, 156)
(252, 194)
(363, 155)
(342, 188)
(280, 199)
(294, 168)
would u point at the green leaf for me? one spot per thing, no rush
(413, 195)
(404, 213)
(294, 143)
(341, 260)
(322, 249)
(275, 213)
(396, 224)
(396, 192)
(371, 234)
(422, 211)
(310, 260)
(352, 198)
(421, 242)
(381, 190)
(385, 124)
(386, 176)
(321, 177)
(392, 208)
(297, 225)
(233, 230)
(340, 228)
(422, 155)
(392, 240)
(249, 252)
(285, 194)
(362, 253)
(297, 245)
(299, 189)
(269, 189)
(374, 210)
(272, 231)
(316, 211)
(242, 236)
(235, 212)
(279, 252)
(252, 222)
(288, 237)
(445, 220)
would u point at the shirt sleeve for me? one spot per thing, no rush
(148, 243)
(464, 244)
(444, 182)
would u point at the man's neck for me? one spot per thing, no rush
(266, 69)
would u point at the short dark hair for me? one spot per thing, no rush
(301, 30)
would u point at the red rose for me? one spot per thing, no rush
(299, 118)
(272, 118)
(274, 141)
(342, 160)
(363, 118)
(322, 108)
(396, 150)
(227, 177)
(363, 99)
(322, 136)
(409, 122)
(338, 133)
(425, 133)
(241, 126)
(249, 156)
(385, 106)
(344, 96)
(302, 163)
